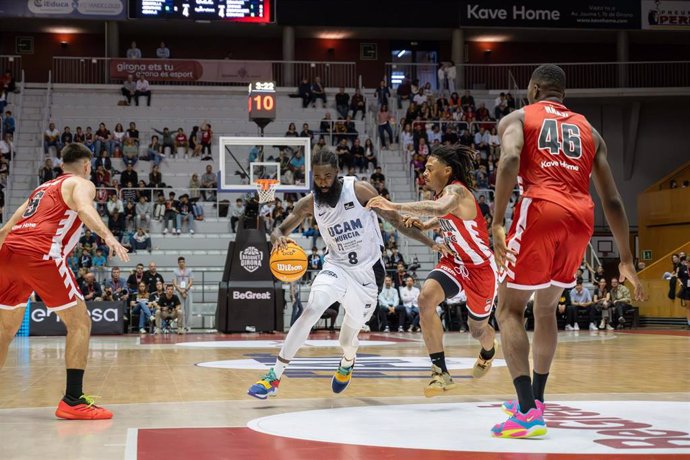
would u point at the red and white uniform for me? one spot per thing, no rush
(34, 254)
(471, 267)
(554, 218)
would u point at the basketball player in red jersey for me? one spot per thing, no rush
(551, 152)
(34, 246)
(469, 264)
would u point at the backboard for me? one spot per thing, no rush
(245, 159)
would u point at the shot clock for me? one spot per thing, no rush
(262, 103)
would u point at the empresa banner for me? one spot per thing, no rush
(106, 318)
(184, 70)
(75, 9)
(587, 14)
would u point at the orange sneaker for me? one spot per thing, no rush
(82, 409)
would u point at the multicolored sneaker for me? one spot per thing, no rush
(440, 382)
(521, 425)
(267, 386)
(511, 408)
(341, 378)
(84, 408)
(482, 366)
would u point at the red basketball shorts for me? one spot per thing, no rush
(550, 241)
(478, 282)
(22, 274)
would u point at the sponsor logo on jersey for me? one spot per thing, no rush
(250, 258)
(346, 230)
(349, 205)
(250, 295)
(328, 273)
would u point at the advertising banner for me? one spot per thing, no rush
(183, 70)
(75, 9)
(604, 14)
(106, 318)
(665, 15)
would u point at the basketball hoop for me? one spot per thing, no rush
(266, 188)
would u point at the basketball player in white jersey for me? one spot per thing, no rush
(470, 267)
(353, 271)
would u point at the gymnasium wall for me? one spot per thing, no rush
(661, 145)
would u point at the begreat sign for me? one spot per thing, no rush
(106, 318)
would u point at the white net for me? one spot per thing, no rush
(266, 190)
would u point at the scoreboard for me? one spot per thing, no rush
(262, 102)
(258, 11)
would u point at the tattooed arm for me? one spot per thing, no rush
(456, 199)
(431, 224)
(366, 192)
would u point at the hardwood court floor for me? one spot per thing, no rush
(179, 397)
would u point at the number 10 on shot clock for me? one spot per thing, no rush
(262, 101)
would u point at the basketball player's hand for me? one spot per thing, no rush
(381, 203)
(410, 222)
(502, 254)
(280, 242)
(627, 271)
(116, 249)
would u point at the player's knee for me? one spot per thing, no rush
(319, 301)
(427, 303)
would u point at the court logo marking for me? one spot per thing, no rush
(623, 428)
(368, 365)
(277, 343)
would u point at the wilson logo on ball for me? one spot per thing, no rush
(289, 267)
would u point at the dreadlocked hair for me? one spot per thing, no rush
(461, 160)
(324, 157)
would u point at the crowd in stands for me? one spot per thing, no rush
(143, 292)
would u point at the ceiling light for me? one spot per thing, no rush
(401, 53)
(491, 38)
(64, 30)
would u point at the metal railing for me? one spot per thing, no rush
(95, 70)
(584, 75)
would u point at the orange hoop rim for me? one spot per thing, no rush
(265, 184)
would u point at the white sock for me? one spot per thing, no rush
(344, 362)
(279, 368)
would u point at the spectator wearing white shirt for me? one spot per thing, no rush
(409, 295)
(162, 52)
(434, 134)
(182, 282)
(406, 137)
(51, 138)
(235, 213)
(7, 147)
(389, 304)
(494, 144)
(143, 213)
(143, 89)
(115, 204)
(419, 98)
(133, 52)
(129, 88)
(481, 142)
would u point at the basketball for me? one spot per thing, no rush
(289, 263)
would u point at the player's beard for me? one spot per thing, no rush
(331, 196)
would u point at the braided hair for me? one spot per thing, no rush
(461, 160)
(324, 157)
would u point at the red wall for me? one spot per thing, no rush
(37, 65)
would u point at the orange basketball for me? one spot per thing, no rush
(289, 264)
